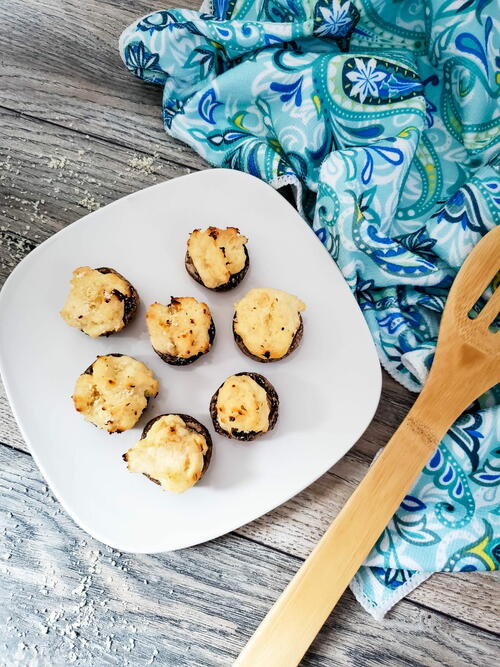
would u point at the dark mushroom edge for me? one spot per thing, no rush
(272, 400)
(192, 424)
(185, 361)
(90, 371)
(293, 345)
(130, 303)
(233, 281)
(181, 361)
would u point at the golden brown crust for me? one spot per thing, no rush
(294, 345)
(185, 325)
(232, 277)
(193, 424)
(99, 306)
(131, 301)
(178, 473)
(267, 323)
(113, 392)
(273, 403)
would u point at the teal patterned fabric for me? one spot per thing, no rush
(383, 117)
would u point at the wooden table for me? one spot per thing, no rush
(76, 132)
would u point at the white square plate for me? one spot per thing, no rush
(328, 388)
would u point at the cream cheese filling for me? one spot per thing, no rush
(92, 304)
(267, 320)
(171, 453)
(217, 254)
(242, 405)
(114, 396)
(180, 329)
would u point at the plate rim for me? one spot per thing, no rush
(208, 535)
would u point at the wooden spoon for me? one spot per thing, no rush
(466, 364)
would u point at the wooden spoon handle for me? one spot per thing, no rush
(295, 619)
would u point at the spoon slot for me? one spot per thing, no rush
(478, 272)
(490, 310)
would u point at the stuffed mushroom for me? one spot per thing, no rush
(267, 324)
(217, 258)
(181, 332)
(100, 302)
(174, 451)
(244, 407)
(114, 391)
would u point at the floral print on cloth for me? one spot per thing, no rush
(383, 117)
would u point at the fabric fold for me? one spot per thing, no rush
(384, 119)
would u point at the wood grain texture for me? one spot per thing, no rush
(65, 598)
(69, 72)
(50, 176)
(88, 133)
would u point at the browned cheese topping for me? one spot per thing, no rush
(171, 453)
(93, 305)
(242, 405)
(114, 396)
(267, 321)
(180, 329)
(217, 254)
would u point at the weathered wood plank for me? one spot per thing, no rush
(50, 176)
(65, 599)
(69, 72)
(50, 170)
(296, 526)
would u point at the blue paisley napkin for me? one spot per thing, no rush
(383, 117)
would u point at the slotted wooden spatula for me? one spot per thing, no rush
(466, 364)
